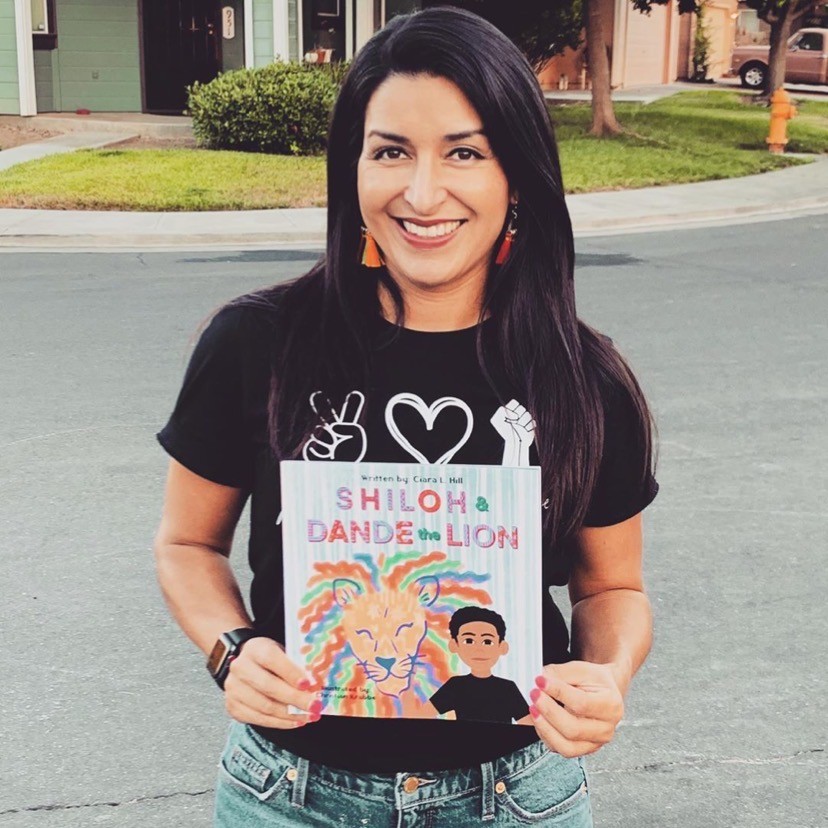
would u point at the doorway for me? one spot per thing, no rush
(181, 44)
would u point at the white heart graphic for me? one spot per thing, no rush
(429, 413)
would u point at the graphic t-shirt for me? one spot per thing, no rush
(491, 699)
(427, 402)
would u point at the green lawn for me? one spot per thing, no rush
(692, 136)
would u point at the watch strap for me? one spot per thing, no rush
(226, 648)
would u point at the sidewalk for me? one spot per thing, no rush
(799, 190)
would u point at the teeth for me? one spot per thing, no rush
(432, 232)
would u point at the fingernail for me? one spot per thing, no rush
(304, 684)
(316, 708)
(534, 711)
(534, 694)
(315, 717)
(540, 681)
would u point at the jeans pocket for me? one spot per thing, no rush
(551, 788)
(245, 765)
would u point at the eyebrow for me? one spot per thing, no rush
(401, 139)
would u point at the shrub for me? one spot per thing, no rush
(282, 108)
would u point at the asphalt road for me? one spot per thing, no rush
(108, 717)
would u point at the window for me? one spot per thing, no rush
(44, 28)
(40, 16)
(810, 42)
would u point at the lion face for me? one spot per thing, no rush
(384, 629)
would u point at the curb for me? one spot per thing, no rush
(160, 242)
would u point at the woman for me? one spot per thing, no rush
(448, 274)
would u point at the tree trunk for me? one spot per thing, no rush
(603, 113)
(779, 34)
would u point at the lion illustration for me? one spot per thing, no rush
(376, 631)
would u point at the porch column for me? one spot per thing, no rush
(364, 22)
(25, 57)
(249, 56)
(349, 29)
(281, 38)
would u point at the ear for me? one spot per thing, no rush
(428, 588)
(345, 591)
(453, 646)
(504, 647)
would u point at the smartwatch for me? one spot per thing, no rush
(225, 650)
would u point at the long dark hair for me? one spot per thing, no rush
(541, 351)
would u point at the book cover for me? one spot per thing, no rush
(414, 590)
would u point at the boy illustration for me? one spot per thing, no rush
(478, 636)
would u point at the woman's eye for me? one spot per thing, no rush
(468, 153)
(379, 155)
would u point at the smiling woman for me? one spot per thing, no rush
(438, 326)
(432, 192)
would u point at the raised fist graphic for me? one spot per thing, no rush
(517, 428)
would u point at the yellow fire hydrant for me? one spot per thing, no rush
(782, 110)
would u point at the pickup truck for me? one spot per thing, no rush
(807, 60)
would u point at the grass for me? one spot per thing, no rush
(168, 179)
(692, 136)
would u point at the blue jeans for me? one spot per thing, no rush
(260, 784)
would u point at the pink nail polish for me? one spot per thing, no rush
(316, 708)
(534, 711)
(534, 694)
(315, 717)
(304, 684)
(541, 681)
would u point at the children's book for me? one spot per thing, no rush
(414, 590)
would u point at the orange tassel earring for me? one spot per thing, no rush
(506, 246)
(369, 252)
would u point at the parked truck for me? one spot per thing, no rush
(807, 60)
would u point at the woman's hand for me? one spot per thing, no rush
(262, 682)
(576, 707)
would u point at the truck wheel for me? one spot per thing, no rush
(753, 75)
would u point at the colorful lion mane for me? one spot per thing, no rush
(330, 660)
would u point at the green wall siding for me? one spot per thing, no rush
(97, 64)
(44, 88)
(262, 32)
(9, 88)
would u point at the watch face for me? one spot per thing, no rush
(217, 656)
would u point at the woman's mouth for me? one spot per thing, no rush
(434, 235)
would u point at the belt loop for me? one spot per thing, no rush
(300, 784)
(487, 771)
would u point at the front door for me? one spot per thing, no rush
(182, 44)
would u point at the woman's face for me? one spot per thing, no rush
(431, 191)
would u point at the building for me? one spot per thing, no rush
(643, 49)
(648, 50)
(140, 55)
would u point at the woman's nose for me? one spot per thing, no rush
(426, 191)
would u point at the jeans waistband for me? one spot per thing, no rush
(418, 787)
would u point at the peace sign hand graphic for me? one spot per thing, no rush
(339, 437)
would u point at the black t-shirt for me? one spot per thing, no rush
(491, 699)
(428, 401)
